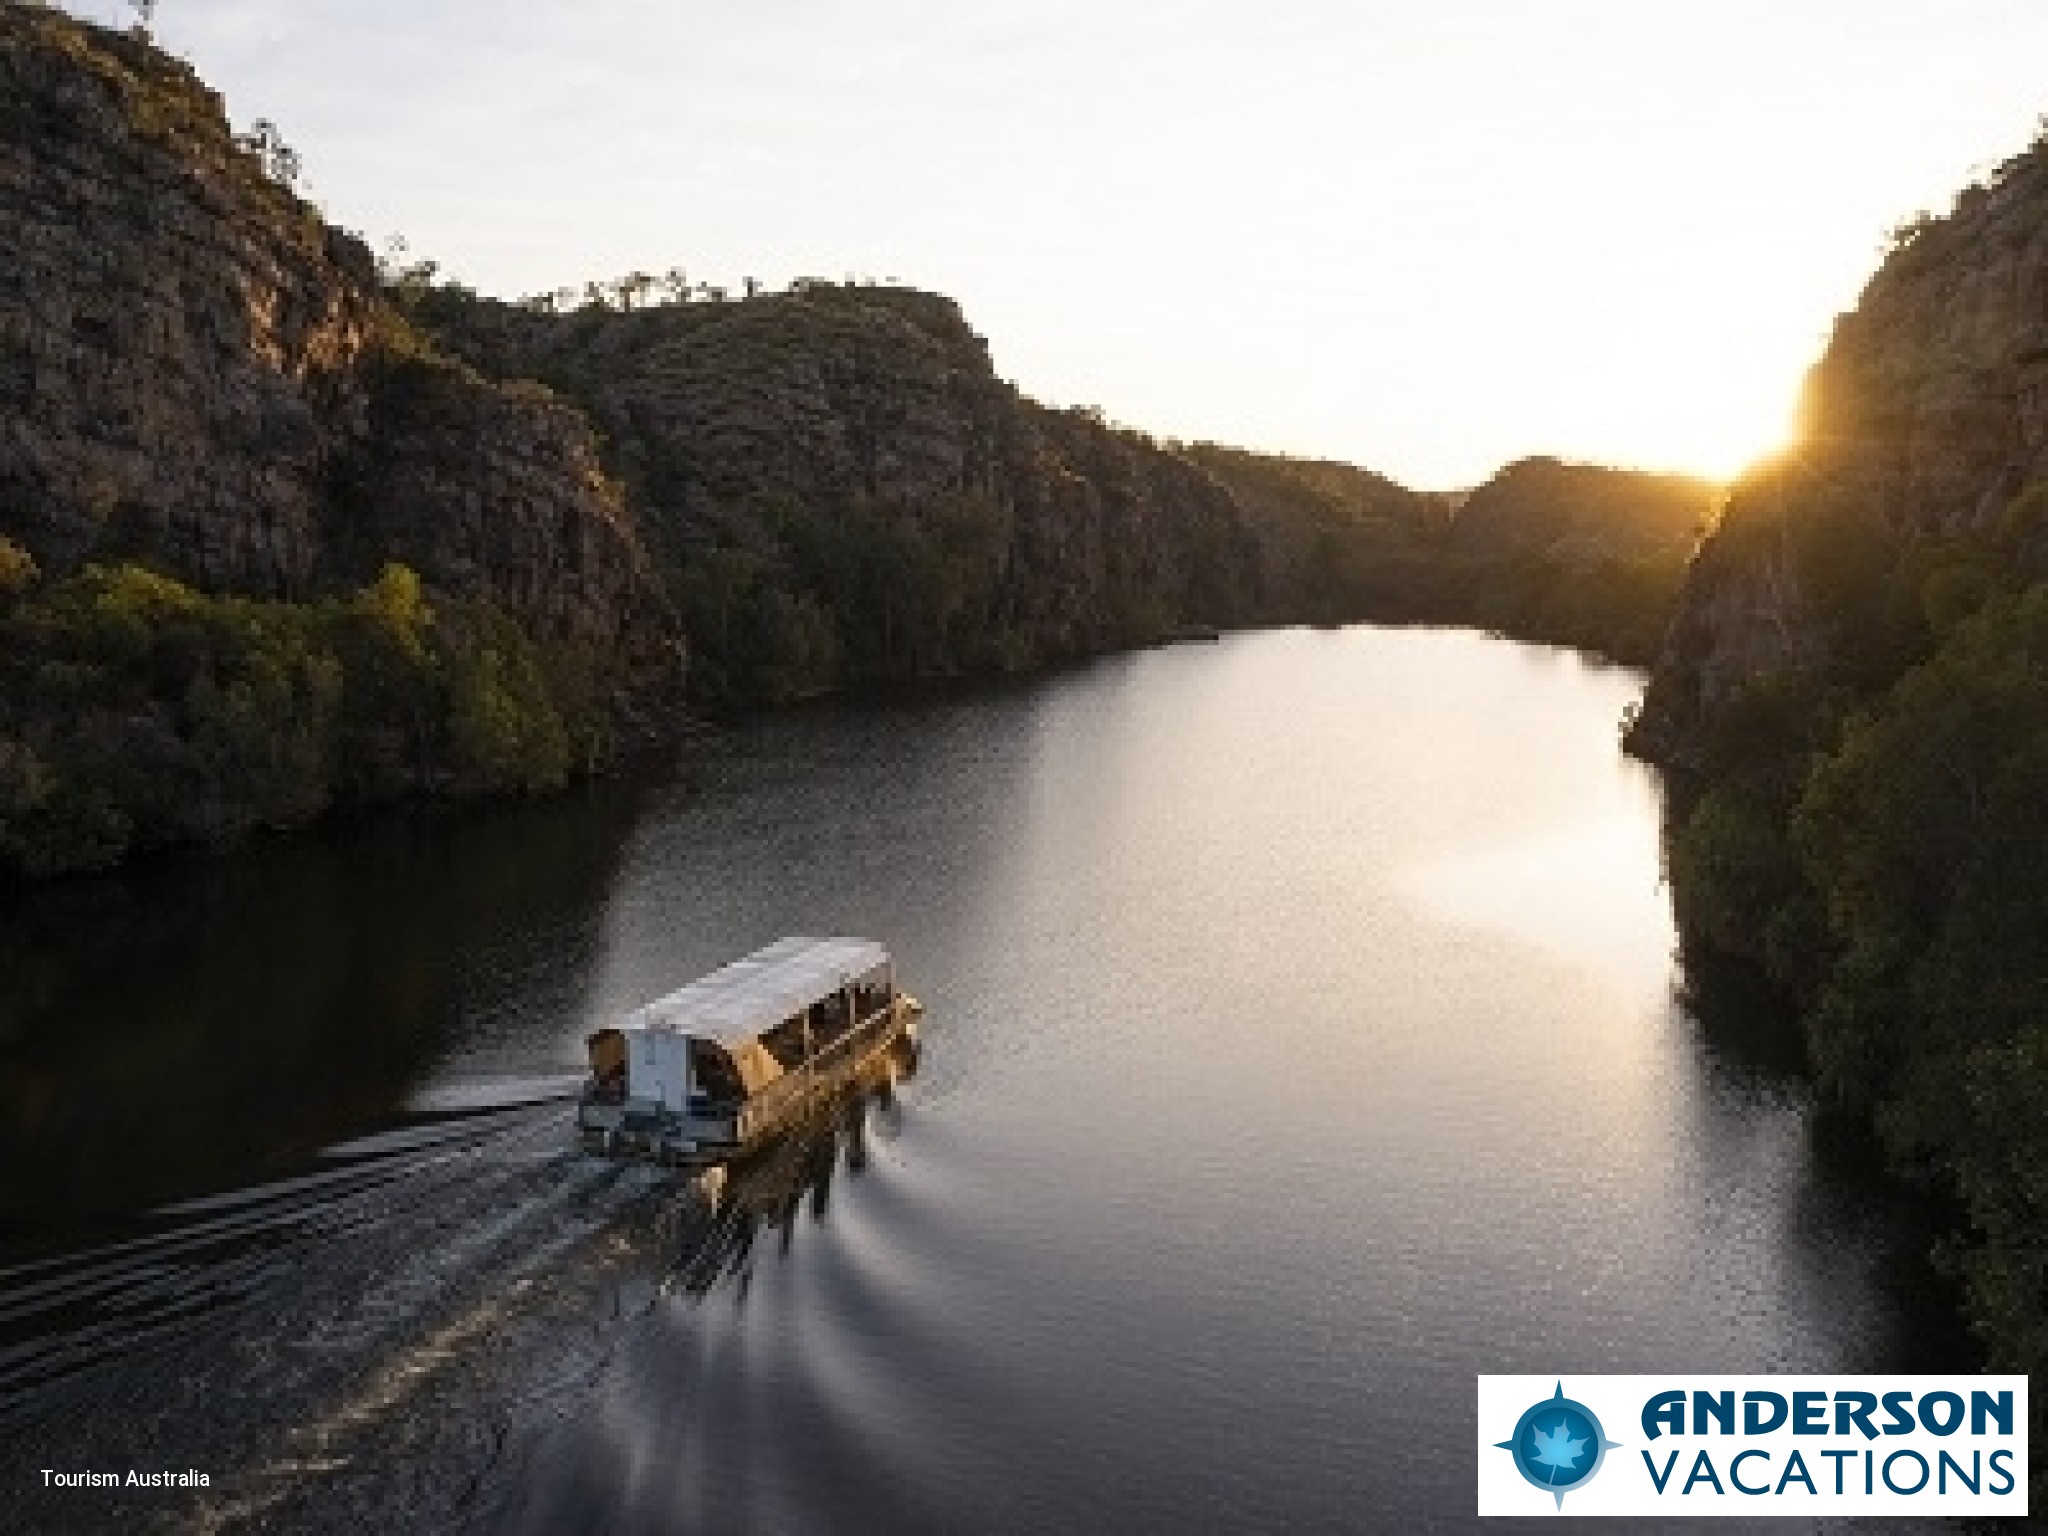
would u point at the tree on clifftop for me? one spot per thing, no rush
(279, 160)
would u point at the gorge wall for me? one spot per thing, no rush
(841, 490)
(282, 532)
(262, 550)
(196, 369)
(1852, 707)
(1922, 443)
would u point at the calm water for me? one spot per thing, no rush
(1301, 1043)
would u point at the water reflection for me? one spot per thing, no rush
(199, 1023)
(767, 1194)
(1750, 1042)
(1309, 1046)
(1306, 1044)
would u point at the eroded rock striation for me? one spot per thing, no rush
(197, 372)
(841, 488)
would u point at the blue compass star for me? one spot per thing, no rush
(1552, 1442)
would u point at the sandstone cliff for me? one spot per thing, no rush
(279, 531)
(263, 550)
(197, 372)
(1854, 703)
(1924, 428)
(841, 489)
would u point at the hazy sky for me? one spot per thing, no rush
(1425, 235)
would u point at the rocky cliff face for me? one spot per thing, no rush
(178, 339)
(1924, 427)
(197, 372)
(222, 433)
(840, 488)
(1854, 695)
(1580, 513)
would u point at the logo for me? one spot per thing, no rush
(1558, 1445)
(1814, 1445)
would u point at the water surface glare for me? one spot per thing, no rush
(1301, 1042)
(1302, 1045)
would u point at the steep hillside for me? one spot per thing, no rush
(1567, 554)
(1576, 554)
(842, 490)
(1853, 704)
(275, 538)
(1921, 458)
(227, 466)
(1337, 543)
(280, 532)
(196, 370)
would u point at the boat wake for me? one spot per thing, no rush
(354, 1345)
(190, 1344)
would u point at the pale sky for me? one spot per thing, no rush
(1427, 236)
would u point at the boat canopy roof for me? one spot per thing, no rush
(737, 1002)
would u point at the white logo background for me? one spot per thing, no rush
(1624, 1485)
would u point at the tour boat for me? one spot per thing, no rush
(708, 1073)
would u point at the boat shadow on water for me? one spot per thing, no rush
(728, 1214)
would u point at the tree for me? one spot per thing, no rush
(392, 257)
(632, 289)
(280, 162)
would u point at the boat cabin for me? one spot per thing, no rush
(708, 1069)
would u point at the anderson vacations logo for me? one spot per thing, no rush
(1752, 1445)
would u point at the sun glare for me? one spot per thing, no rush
(1701, 421)
(1708, 386)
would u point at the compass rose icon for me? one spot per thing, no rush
(1558, 1445)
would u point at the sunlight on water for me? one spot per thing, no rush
(1301, 1042)
(1590, 894)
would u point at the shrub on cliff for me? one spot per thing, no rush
(17, 569)
(1922, 832)
(138, 711)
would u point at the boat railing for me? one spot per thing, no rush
(799, 1081)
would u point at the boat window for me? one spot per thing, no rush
(872, 992)
(829, 1018)
(608, 1056)
(785, 1042)
(714, 1074)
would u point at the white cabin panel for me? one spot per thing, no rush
(657, 1067)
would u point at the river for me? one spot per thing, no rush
(1303, 1039)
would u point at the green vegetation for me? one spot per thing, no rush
(1338, 544)
(1907, 911)
(135, 711)
(1566, 554)
(613, 494)
(838, 491)
(841, 492)
(1576, 555)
